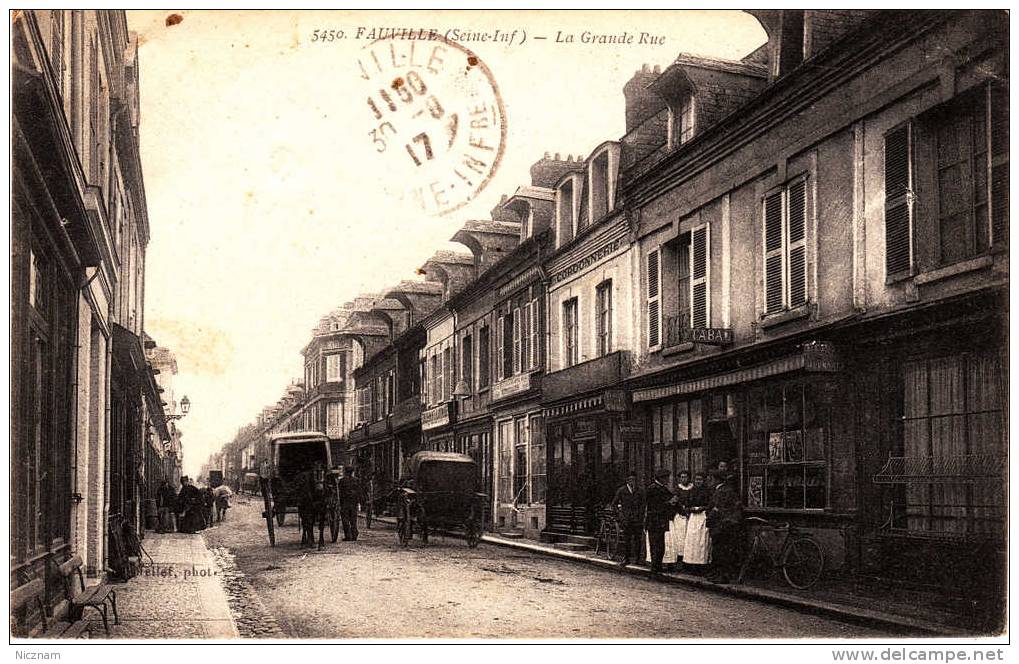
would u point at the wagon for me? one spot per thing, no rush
(291, 455)
(440, 492)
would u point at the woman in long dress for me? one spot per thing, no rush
(678, 530)
(697, 547)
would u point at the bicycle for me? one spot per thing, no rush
(609, 537)
(800, 556)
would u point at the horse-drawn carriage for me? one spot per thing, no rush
(299, 477)
(440, 492)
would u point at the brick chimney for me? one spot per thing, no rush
(641, 102)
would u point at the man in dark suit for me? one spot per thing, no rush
(350, 497)
(629, 505)
(657, 518)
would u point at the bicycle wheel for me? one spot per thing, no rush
(802, 563)
(759, 564)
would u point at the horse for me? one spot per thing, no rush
(314, 501)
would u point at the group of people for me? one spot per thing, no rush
(191, 509)
(695, 526)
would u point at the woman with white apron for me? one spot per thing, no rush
(697, 547)
(678, 530)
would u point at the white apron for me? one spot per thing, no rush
(697, 548)
(670, 547)
(677, 533)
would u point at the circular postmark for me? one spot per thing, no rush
(437, 122)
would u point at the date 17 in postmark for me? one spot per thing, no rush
(436, 120)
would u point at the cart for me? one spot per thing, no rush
(440, 492)
(292, 454)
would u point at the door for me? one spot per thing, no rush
(572, 474)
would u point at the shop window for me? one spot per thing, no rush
(677, 438)
(786, 448)
(953, 421)
(505, 487)
(520, 496)
(537, 452)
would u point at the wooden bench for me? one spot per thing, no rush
(32, 594)
(97, 597)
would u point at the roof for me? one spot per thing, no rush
(297, 436)
(719, 64)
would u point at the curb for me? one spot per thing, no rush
(847, 614)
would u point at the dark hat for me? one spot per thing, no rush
(662, 472)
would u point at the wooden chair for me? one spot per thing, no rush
(32, 594)
(97, 597)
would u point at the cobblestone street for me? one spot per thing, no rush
(374, 589)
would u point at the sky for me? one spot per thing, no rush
(267, 204)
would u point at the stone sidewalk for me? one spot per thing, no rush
(176, 595)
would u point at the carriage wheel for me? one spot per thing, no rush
(472, 532)
(404, 527)
(334, 524)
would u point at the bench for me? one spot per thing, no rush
(32, 594)
(97, 597)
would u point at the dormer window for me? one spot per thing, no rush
(334, 326)
(567, 199)
(602, 183)
(681, 121)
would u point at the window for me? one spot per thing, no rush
(334, 419)
(948, 169)
(787, 446)
(423, 385)
(334, 368)
(334, 326)
(447, 363)
(677, 440)
(953, 409)
(520, 496)
(537, 454)
(518, 336)
(505, 461)
(566, 211)
(571, 349)
(467, 362)
(600, 187)
(681, 122)
(785, 247)
(436, 379)
(678, 332)
(483, 357)
(506, 346)
(654, 304)
(533, 326)
(603, 322)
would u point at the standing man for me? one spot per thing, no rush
(166, 501)
(658, 515)
(350, 496)
(725, 521)
(629, 504)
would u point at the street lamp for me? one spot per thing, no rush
(185, 406)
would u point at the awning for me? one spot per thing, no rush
(574, 406)
(945, 469)
(815, 356)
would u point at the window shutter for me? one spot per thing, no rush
(700, 314)
(517, 324)
(999, 165)
(507, 345)
(797, 211)
(525, 337)
(774, 296)
(498, 349)
(898, 202)
(654, 310)
(534, 333)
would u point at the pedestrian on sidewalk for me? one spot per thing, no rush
(677, 533)
(208, 501)
(697, 548)
(166, 502)
(629, 505)
(658, 514)
(350, 497)
(191, 507)
(725, 520)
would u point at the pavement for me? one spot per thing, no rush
(178, 594)
(896, 610)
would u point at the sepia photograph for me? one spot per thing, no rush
(509, 326)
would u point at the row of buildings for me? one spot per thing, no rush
(92, 405)
(796, 262)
